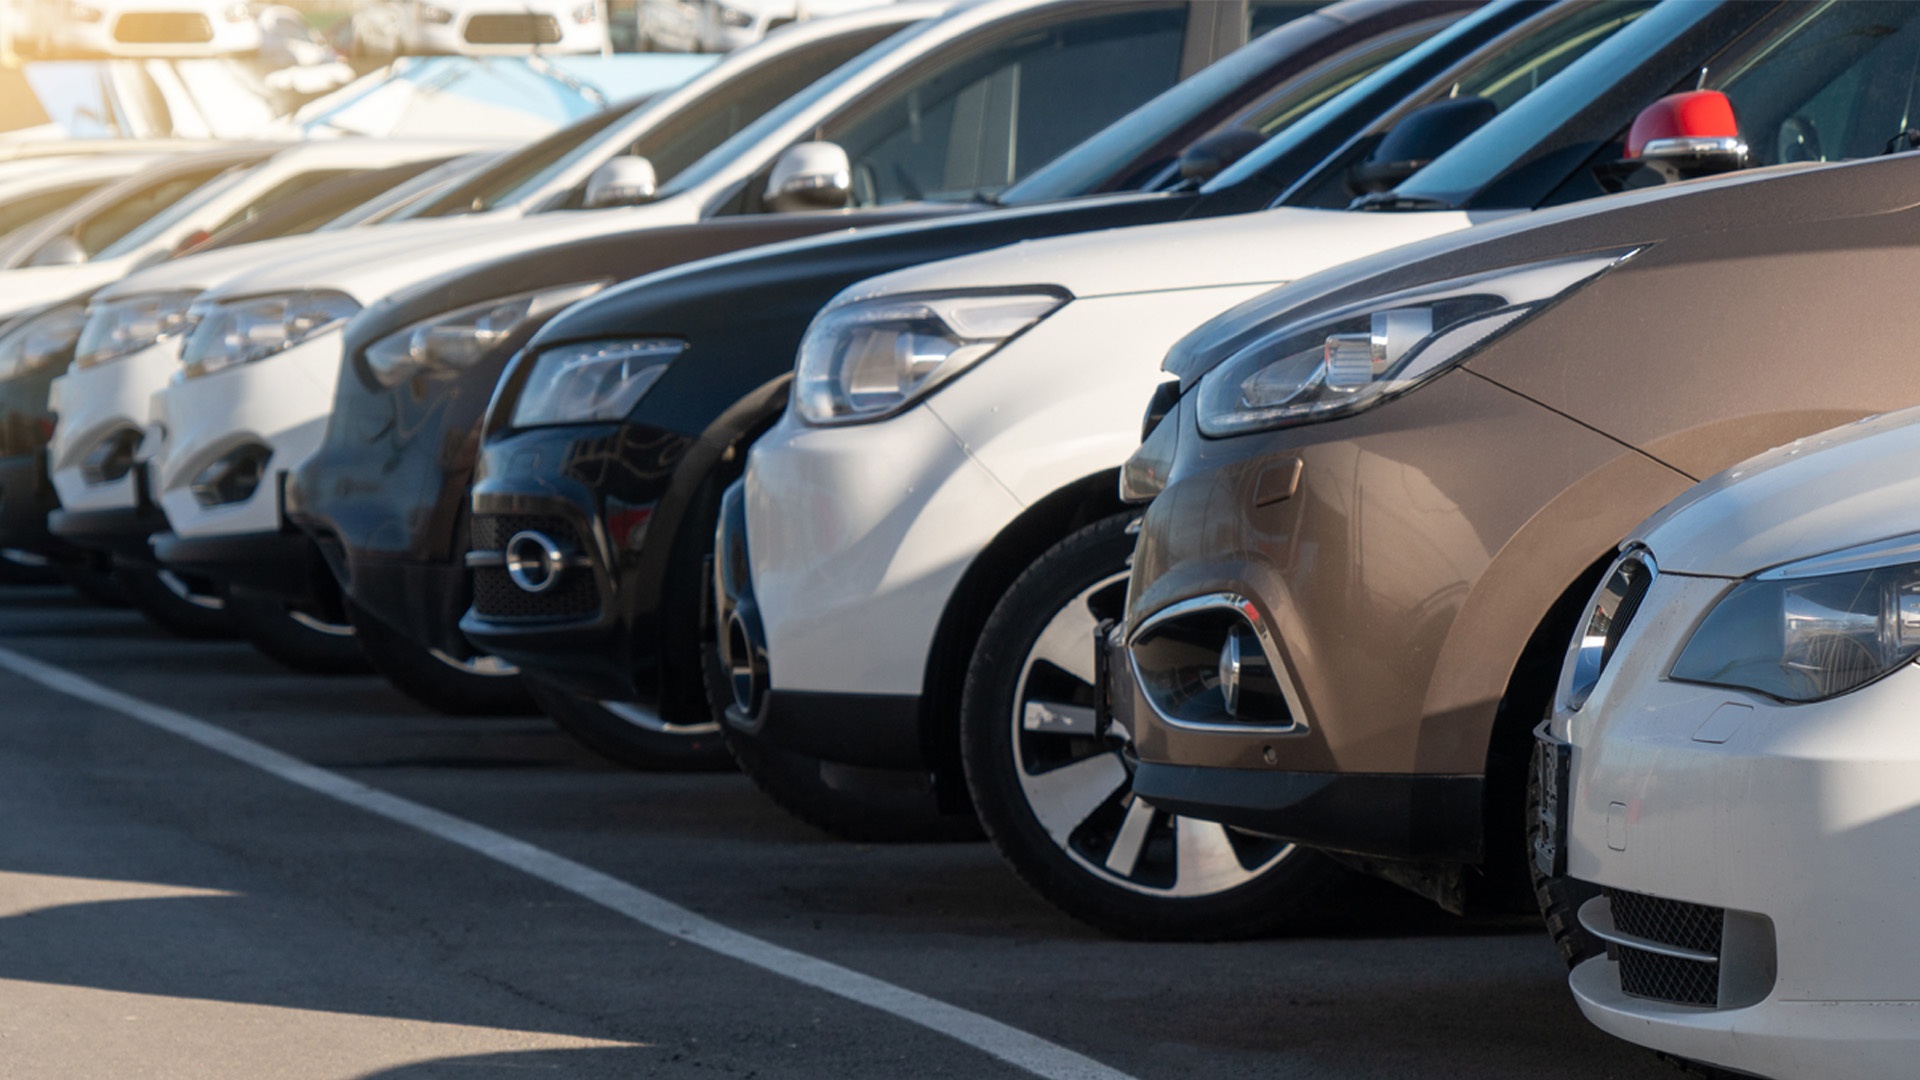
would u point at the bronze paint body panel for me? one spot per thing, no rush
(1430, 537)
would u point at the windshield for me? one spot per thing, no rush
(158, 224)
(1482, 157)
(723, 155)
(1338, 110)
(489, 189)
(1092, 164)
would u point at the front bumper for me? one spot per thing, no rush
(26, 498)
(95, 404)
(285, 564)
(1797, 818)
(123, 532)
(280, 403)
(1397, 563)
(594, 490)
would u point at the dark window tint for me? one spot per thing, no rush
(483, 191)
(980, 120)
(283, 192)
(17, 212)
(1264, 15)
(1842, 82)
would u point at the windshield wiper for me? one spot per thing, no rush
(1393, 200)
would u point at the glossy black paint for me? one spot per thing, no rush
(743, 317)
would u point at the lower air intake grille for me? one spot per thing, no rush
(1666, 978)
(492, 531)
(495, 596)
(513, 30)
(1669, 922)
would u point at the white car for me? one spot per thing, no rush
(34, 188)
(176, 203)
(725, 25)
(478, 27)
(139, 28)
(1742, 780)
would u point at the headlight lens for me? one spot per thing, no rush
(730, 16)
(41, 341)
(872, 358)
(1339, 363)
(453, 342)
(238, 13)
(117, 328)
(433, 14)
(594, 380)
(242, 331)
(1800, 636)
(586, 13)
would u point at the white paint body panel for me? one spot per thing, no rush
(1808, 814)
(859, 534)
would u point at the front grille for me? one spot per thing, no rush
(162, 28)
(492, 531)
(496, 597)
(513, 30)
(1638, 578)
(1670, 979)
(1669, 922)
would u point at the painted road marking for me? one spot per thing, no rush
(1009, 1044)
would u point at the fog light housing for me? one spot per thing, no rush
(534, 561)
(233, 477)
(1207, 663)
(111, 459)
(1248, 689)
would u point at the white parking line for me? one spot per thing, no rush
(1009, 1044)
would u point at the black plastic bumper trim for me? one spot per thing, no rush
(874, 731)
(274, 562)
(125, 533)
(1388, 815)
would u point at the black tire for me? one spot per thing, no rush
(182, 606)
(1236, 885)
(1559, 897)
(870, 806)
(95, 584)
(638, 742)
(302, 642)
(440, 684)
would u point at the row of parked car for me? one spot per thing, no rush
(792, 419)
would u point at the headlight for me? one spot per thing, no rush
(1797, 634)
(85, 13)
(1339, 363)
(117, 328)
(241, 331)
(238, 13)
(872, 358)
(41, 341)
(734, 16)
(594, 380)
(432, 14)
(586, 13)
(454, 341)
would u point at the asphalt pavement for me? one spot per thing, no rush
(211, 868)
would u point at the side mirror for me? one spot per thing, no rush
(1210, 157)
(624, 181)
(810, 176)
(1687, 135)
(62, 250)
(1419, 137)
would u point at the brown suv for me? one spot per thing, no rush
(1383, 493)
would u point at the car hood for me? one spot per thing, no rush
(1273, 245)
(1828, 492)
(371, 269)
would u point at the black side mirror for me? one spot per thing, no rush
(1210, 156)
(1419, 137)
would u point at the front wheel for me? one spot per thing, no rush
(301, 641)
(1055, 791)
(482, 686)
(631, 735)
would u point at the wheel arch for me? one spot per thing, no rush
(978, 592)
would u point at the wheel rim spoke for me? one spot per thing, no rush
(1067, 642)
(1204, 857)
(1125, 856)
(1064, 798)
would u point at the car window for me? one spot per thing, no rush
(167, 213)
(985, 116)
(1091, 165)
(487, 190)
(115, 223)
(1264, 15)
(287, 189)
(17, 212)
(1842, 82)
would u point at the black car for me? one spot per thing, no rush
(630, 501)
(386, 496)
